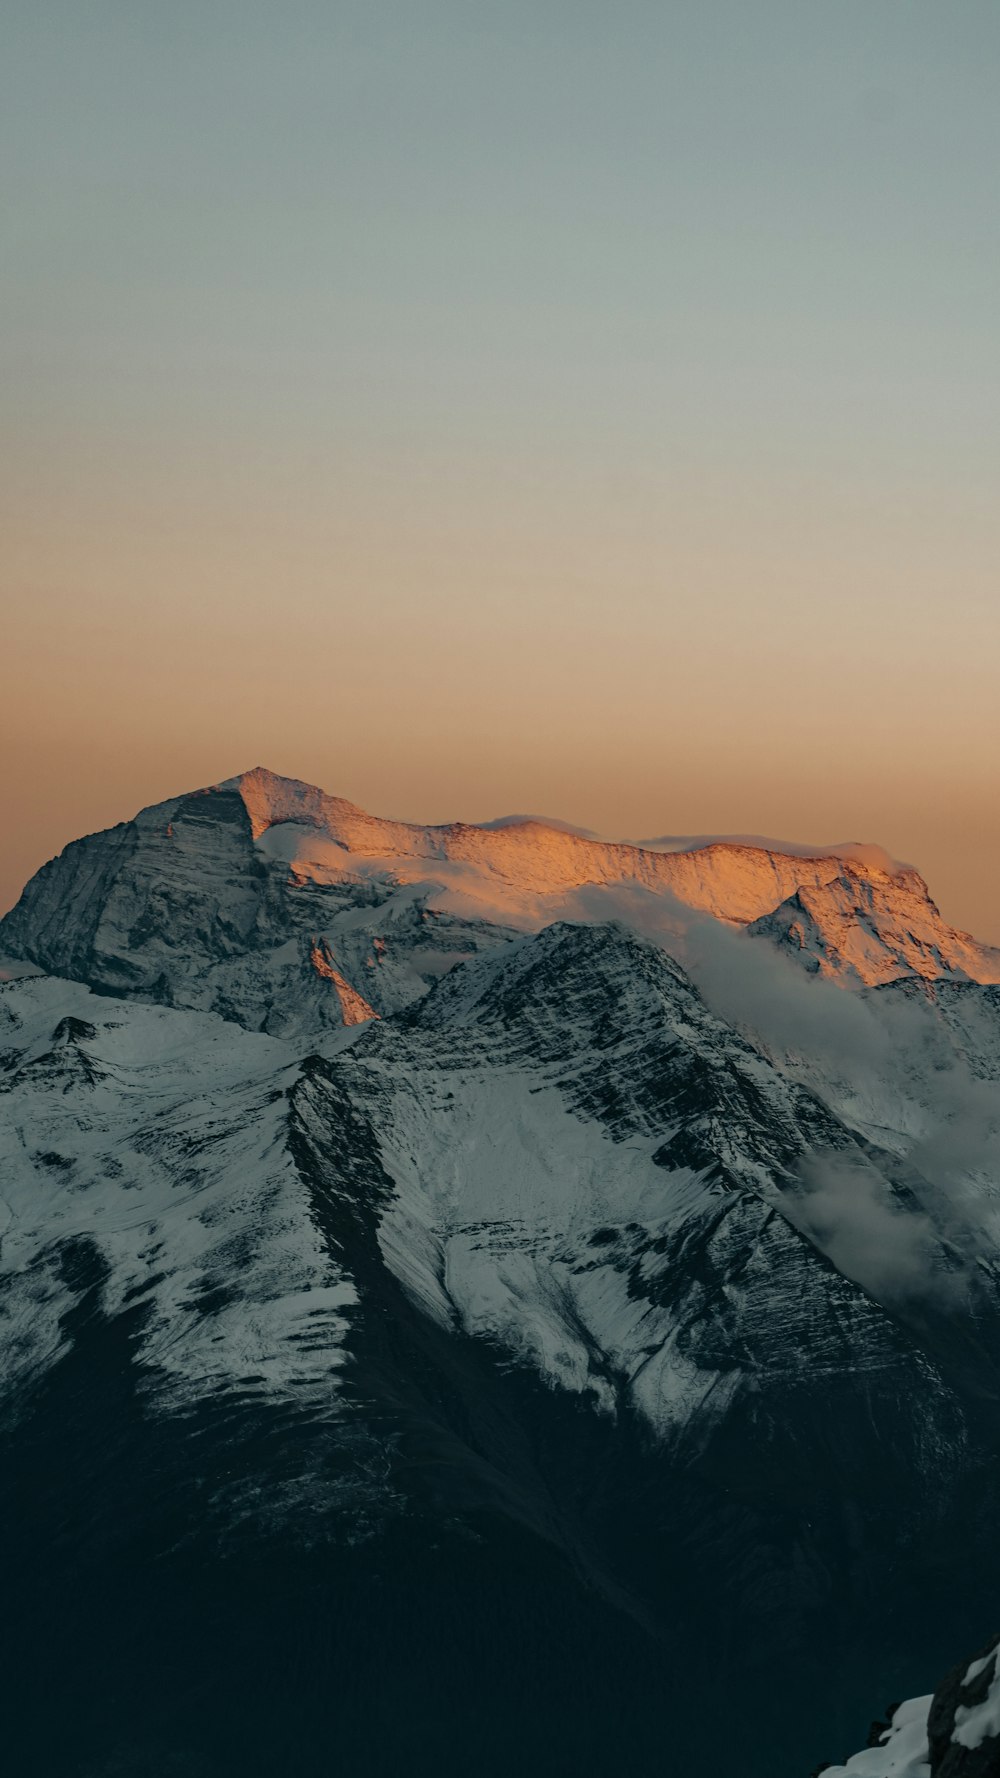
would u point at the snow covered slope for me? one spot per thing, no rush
(148, 1149)
(870, 926)
(569, 1146)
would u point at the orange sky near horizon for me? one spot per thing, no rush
(633, 705)
(580, 411)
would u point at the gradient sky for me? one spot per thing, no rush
(578, 408)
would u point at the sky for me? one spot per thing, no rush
(552, 407)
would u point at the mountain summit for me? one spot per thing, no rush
(268, 901)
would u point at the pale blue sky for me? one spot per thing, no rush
(720, 217)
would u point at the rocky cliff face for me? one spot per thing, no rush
(499, 1333)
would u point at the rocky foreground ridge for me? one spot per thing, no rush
(952, 1733)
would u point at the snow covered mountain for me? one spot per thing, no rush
(285, 909)
(400, 1225)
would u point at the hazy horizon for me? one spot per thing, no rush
(561, 408)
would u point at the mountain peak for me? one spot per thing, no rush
(271, 799)
(215, 900)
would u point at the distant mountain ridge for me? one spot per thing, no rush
(225, 898)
